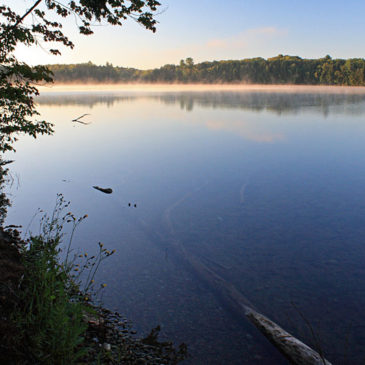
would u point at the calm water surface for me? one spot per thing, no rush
(267, 189)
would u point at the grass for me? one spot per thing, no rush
(56, 318)
(51, 310)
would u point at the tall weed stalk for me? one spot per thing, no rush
(50, 317)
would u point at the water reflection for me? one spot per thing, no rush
(266, 189)
(246, 130)
(273, 102)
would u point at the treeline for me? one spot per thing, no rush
(276, 70)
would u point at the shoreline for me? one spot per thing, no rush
(107, 336)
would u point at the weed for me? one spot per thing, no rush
(56, 317)
(50, 316)
(314, 334)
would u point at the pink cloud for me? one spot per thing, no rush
(244, 39)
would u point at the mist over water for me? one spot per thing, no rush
(265, 187)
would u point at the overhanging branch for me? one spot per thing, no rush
(20, 20)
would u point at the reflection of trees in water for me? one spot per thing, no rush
(82, 99)
(278, 103)
(275, 102)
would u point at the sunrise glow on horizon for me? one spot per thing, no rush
(217, 30)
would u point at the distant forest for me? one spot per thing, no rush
(276, 70)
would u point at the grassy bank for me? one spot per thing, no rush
(49, 315)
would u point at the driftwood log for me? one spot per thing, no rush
(294, 350)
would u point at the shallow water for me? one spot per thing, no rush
(266, 188)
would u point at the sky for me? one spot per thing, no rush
(208, 30)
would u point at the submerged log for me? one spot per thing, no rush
(104, 190)
(232, 299)
(294, 350)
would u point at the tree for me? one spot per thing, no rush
(189, 62)
(18, 80)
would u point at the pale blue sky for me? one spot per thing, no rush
(217, 29)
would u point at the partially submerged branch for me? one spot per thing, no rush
(293, 349)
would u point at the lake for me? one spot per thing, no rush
(265, 187)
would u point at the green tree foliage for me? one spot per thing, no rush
(18, 80)
(276, 70)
